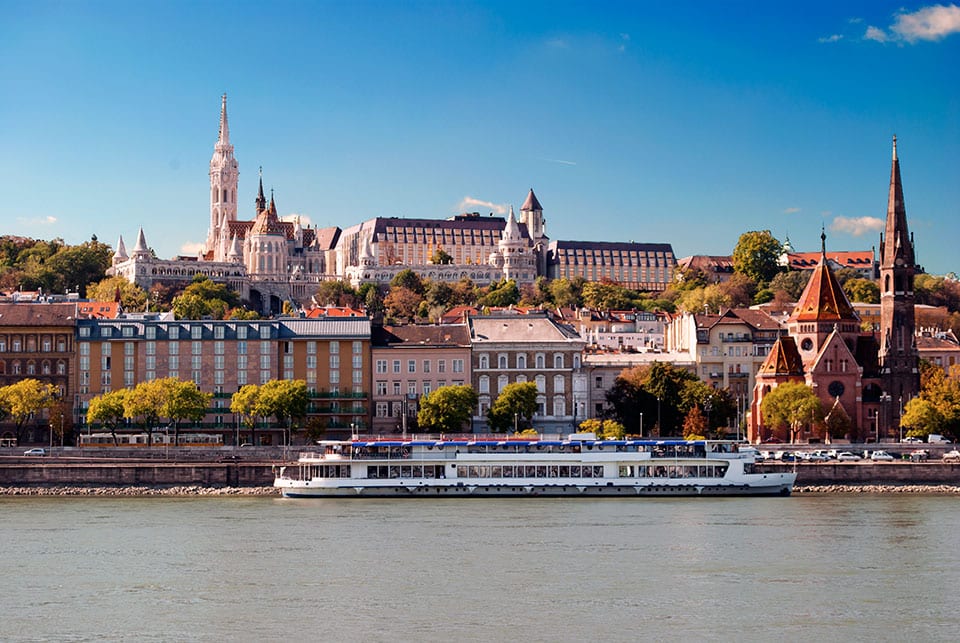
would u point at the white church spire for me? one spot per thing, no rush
(224, 178)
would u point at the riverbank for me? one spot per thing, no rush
(196, 490)
(188, 490)
(877, 488)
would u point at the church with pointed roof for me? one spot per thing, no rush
(269, 260)
(856, 373)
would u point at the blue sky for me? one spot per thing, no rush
(678, 122)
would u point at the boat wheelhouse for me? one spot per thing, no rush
(580, 465)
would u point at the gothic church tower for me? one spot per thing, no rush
(899, 359)
(224, 177)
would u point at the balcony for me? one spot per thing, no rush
(736, 339)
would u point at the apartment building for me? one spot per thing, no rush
(332, 355)
(510, 348)
(727, 348)
(37, 341)
(410, 362)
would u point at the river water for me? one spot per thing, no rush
(822, 567)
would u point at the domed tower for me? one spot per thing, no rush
(267, 243)
(224, 177)
(899, 359)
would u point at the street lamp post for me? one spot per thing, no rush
(708, 406)
(884, 405)
(516, 417)
(900, 419)
(641, 424)
(659, 428)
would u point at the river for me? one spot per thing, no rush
(820, 567)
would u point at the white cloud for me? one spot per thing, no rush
(857, 226)
(929, 23)
(876, 34)
(292, 218)
(791, 210)
(190, 248)
(560, 161)
(469, 204)
(37, 221)
(832, 38)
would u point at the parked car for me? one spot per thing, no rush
(919, 455)
(878, 456)
(952, 456)
(35, 452)
(846, 456)
(909, 440)
(817, 456)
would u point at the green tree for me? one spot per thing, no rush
(790, 407)
(921, 418)
(184, 401)
(440, 257)
(514, 407)
(77, 266)
(203, 298)
(246, 404)
(791, 282)
(710, 299)
(241, 313)
(501, 294)
(756, 255)
(407, 278)
(146, 402)
(603, 429)
(689, 279)
(862, 290)
(107, 410)
(653, 395)
(285, 400)
(336, 293)
(447, 409)
(695, 425)
(401, 304)
(132, 296)
(464, 293)
(605, 296)
(739, 290)
(718, 405)
(26, 400)
(566, 293)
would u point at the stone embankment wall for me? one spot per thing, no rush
(872, 473)
(123, 474)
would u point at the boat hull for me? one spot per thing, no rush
(777, 485)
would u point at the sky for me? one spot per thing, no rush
(676, 122)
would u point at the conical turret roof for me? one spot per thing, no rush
(121, 252)
(531, 204)
(823, 299)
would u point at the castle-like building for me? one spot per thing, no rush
(852, 372)
(269, 260)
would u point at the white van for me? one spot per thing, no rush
(936, 438)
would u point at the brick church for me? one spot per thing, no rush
(866, 376)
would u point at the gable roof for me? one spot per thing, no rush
(823, 299)
(783, 359)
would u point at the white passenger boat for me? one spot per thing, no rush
(580, 465)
